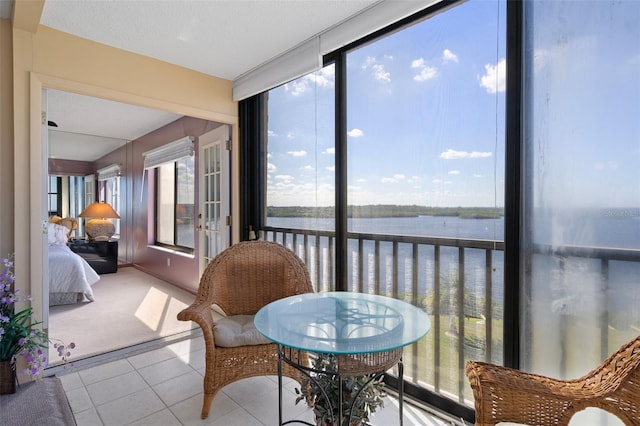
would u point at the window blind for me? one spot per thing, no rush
(169, 153)
(307, 56)
(109, 172)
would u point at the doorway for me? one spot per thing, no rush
(154, 295)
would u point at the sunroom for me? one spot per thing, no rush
(477, 159)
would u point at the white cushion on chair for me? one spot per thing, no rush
(237, 330)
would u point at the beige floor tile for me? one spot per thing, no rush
(188, 411)
(115, 387)
(105, 371)
(88, 418)
(248, 390)
(161, 418)
(179, 388)
(79, 400)
(130, 408)
(152, 357)
(70, 381)
(238, 417)
(164, 370)
(195, 359)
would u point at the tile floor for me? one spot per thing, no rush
(163, 387)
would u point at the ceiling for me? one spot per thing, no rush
(240, 34)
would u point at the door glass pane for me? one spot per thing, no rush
(582, 184)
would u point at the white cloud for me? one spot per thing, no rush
(425, 72)
(271, 133)
(307, 167)
(355, 133)
(451, 154)
(324, 78)
(297, 153)
(495, 77)
(379, 72)
(436, 181)
(331, 168)
(393, 179)
(271, 167)
(291, 135)
(331, 150)
(454, 172)
(477, 175)
(297, 87)
(368, 62)
(417, 63)
(449, 56)
(540, 58)
(284, 178)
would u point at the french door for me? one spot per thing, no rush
(214, 227)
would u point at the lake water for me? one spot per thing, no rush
(596, 228)
(592, 229)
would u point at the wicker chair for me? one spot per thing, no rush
(507, 395)
(241, 280)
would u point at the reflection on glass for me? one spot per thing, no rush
(583, 193)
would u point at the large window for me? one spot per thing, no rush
(582, 199)
(301, 167)
(424, 154)
(425, 150)
(424, 139)
(175, 204)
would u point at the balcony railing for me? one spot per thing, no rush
(459, 282)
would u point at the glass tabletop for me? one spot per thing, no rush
(342, 322)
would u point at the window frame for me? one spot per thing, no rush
(157, 188)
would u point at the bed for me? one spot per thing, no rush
(70, 276)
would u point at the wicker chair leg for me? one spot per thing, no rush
(206, 405)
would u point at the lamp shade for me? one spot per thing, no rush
(99, 227)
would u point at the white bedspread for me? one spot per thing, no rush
(70, 273)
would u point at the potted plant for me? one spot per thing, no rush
(321, 391)
(19, 335)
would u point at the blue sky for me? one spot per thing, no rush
(426, 115)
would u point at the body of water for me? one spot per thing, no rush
(613, 228)
(594, 229)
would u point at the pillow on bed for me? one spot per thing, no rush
(57, 234)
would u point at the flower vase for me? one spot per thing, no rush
(7, 378)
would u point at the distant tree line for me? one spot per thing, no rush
(388, 210)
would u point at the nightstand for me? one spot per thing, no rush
(101, 255)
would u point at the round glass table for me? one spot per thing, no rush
(365, 332)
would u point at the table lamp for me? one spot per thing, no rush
(99, 227)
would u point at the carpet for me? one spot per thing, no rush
(37, 403)
(130, 308)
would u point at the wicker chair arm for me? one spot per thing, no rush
(200, 313)
(505, 378)
(505, 394)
